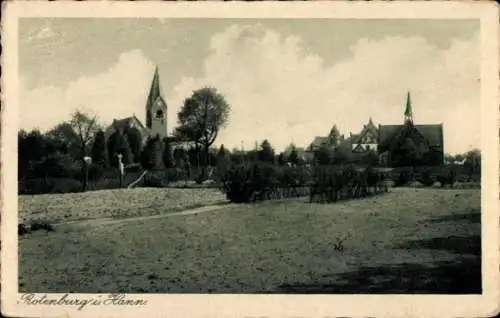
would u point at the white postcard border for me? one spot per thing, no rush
(189, 305)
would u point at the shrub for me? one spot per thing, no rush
(426, 178)
(254, 181)
(174, 174)
(153, 181)
(335, 183)
(57, 165)
(40, 225)
(404, 178)
(449, 177)
(49, 185)
(133, 168)
(22, 229)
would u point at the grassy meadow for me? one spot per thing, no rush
(407, 240)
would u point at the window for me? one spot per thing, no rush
(159, 113)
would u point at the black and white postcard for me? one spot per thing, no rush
(262, 159)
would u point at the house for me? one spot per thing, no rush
(395, 145)
(333, 140)
(366, 140)
(409, 143)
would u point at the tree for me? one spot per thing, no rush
(281, 159)
(134, 138)
(65, 134)
(85, 128)
(152, 155)
(293, 157)
(222, 153)
(323, 155)
(118, 144)
(99, 153)
(473, 162)
(266, 152)
(201, 117)
(168, 155)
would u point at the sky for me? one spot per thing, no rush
(286, 80)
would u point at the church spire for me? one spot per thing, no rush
(154, 94)
(154, 91)
(408, 111)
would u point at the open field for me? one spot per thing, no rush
(119, 203)
(408, 240)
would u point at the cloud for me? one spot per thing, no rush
(45, 33)
(119, 91)
(280, 91)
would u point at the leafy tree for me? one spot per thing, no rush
(281, 159)
(65, 134)
(323, 155)
(31, 148)
(32, 145)
(266, 152)
(118, 144)
(152, 154)
(473, 162)
(99, 152)
(293, 157)
(202, 116)
(134, 139)
(222, 153)
(168, 155)
(126, 151)
(223, 157)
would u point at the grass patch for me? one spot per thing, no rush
(119, 203)
(287, 246)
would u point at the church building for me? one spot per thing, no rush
(156, 116)
(409, 143)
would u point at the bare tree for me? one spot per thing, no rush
(85, 127)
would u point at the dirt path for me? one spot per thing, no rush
(109, 221)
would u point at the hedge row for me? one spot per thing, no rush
(332, 184)
(250, 182)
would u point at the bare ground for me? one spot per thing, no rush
(406, 241)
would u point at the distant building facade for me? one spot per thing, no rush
(395, 145)
(411, 144)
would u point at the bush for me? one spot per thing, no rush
(57, 165)
(426, 179)
(249, 182)
(335, 183)
(448, 177)
(153, 181)
(49, 185)
(40, 225)
(174, 174)
(133, 168)
(404, 178)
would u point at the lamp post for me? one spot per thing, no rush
(87, 161)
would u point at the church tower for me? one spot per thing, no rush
(156, 109)
(408, 116)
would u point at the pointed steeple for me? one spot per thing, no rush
(408, 115)
(154, 94)
(154, 90)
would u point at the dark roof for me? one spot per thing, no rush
(318, 141)
(432, 133)
(369, 127)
